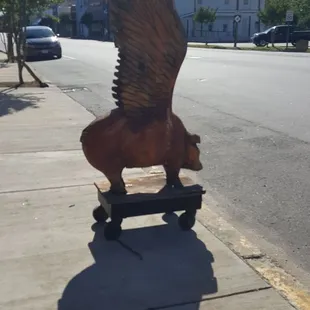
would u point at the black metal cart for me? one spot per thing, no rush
(147, 195)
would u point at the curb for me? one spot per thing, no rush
(38, 76)
(34, 71)
(285, 284)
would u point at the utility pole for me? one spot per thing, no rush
(259, 8)
(236, 23)
(108, 20)
(194, 26)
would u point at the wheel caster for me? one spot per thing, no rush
(112, 231)
(100, 215)
(187, 221)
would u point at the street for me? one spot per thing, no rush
(252, 112)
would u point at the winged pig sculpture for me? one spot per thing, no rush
(142, 131)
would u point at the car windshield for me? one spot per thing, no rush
(39, 33)
(269, 29)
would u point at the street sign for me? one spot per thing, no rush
(237, 18)
(289, 16)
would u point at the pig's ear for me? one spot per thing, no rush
(195, 139)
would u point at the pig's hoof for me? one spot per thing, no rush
(175, 185)
(118, 190)
(178, 185)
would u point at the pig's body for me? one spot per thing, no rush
(110, 145)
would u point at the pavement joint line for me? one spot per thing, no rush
(52, 187)
(69, 57)
(40, 151)
(211, 298)
(43, 188)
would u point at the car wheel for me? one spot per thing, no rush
(262, 43)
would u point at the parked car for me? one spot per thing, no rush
(42, 41)
(280, 35)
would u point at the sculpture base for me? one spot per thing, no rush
(147, 195)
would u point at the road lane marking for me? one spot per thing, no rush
(68, 57)
(194, 57)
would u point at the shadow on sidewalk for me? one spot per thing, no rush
(11, 103)
(165, 267)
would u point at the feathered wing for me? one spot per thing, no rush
(152, 46)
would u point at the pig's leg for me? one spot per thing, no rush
(172, 177)
(117, 183)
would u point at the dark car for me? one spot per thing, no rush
(42, 41)
(278, 34)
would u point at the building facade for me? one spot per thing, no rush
(222, 30)
(100, 25)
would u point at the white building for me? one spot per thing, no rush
(222, 30)
(98, 9)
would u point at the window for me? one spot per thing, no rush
(199, 1)
(226, 1)
(210, 27)
(225, 27)
(245, 2)
(38, 33)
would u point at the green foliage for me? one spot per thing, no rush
(87, 19)
(275, 11)
(16, 16)
(32, 7)
(302, 10)
(49, 21)
(65, 18)
(205, 15)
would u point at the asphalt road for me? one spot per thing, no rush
(252, 110)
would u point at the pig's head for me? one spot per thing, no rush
(192, 153)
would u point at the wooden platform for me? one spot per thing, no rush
(147, 195)
(145, 184)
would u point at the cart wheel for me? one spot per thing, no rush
(100, 215)
(187, 221)
(112, 230)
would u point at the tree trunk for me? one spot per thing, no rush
(20, 58)
(20, 70)
(10, 49)
(201, 29)
(10, 45)
(42, 84)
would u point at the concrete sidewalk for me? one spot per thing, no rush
(53, 257)
(9, 73)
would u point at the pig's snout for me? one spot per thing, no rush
(198, 166)
(194, 166)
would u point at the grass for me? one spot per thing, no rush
(254, 48)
